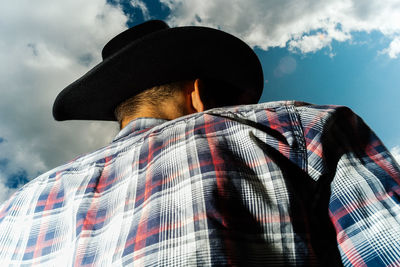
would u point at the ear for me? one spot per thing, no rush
(197, 103)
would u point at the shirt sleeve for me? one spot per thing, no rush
(362, 180)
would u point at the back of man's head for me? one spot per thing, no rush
(173, 100)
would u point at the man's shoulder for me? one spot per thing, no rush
(56, 182)
(274, 114)
(277, 105)
(296, 109)
(257, 107)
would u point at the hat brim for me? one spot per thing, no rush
(162, 57)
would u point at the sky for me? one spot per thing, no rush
(342, 52)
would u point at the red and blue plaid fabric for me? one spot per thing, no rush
(280, 183)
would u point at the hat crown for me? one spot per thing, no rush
(130, 35)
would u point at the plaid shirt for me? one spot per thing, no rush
(280, 183)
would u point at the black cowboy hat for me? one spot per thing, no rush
(152, 54)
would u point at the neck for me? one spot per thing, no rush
(166, 111)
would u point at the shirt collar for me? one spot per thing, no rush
(138, 125)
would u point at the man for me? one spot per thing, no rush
(187, 182)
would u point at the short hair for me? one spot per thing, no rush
(216, 94)
(153, 96)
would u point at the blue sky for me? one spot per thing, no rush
(343, 52)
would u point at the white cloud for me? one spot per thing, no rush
(307, 25)
(394, 48)
(5, 192)
(396, 153)
(143, 8)
(45, 45)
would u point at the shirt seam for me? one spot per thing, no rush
(297, 128)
